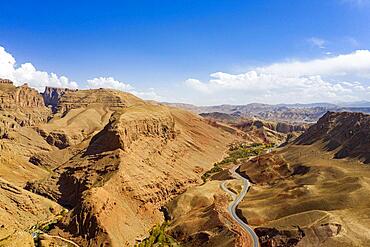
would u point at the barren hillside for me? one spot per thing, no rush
(110, 158)
(305, 194)
(347, 134)
(262, 131)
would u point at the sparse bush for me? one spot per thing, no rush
(158, 237)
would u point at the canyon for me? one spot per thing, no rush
(102, 167)
(109, 158)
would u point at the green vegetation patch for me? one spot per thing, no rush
(158, 238)
(40, 228)
(237, 151)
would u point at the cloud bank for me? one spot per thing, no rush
(28, 73)
(339, 78)
(343, 77)
(110, 82)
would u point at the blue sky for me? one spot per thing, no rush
(167, 50)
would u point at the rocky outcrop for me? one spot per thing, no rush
(82, 221)
(144, 156)
(287, 128)
(20, 106)
(272, 237)
(347, 134)
(281, 127)
(5, 81)
(19, 211)
(314, 235)
(52, 96)
(124, 128)
(12, 97)
(265, 169)
(255, 129)
(73, 99)
(127, 126)
(55, 138)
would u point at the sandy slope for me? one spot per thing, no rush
(108, 156)
(19, 210)
(115, 160)
(308, 189)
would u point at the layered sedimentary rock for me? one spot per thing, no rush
(316, 185)
(12, 97)
(20, 106)
(5, 81)
(280, 127)
(265, 131)
(129, 125)
(129, 158)
(20, 210)
(347, 134)
(73, 99)
(52, 95)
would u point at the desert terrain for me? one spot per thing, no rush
(102, 167)
(307, 192)
(105, 160)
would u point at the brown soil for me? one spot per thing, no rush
(111, 158)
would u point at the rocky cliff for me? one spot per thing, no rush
(125, 158)
(5, 81)
(347, 134)
(12, 97)
(52, 95)
(20, 106)
(73, 99)
(127, 126)
(281, 127)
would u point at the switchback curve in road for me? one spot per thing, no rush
(236, 200)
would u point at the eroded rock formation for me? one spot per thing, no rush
(347, 134)
(20, 106)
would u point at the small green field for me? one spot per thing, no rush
(236, 152)
(158, 238)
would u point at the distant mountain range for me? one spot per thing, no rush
(355, 104)
(281, 112)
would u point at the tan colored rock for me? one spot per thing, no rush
(113, 159)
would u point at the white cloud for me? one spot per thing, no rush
(356, 63)
(198, 85)
(108, 82)
(318, 42)
(27, 73)
(327, 79)
(149, 95)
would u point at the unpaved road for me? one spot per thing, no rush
(64, 239)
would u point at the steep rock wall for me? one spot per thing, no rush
(52, 96)
(127, 126)
(73, 99)
(347, 134)
(20, 106)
